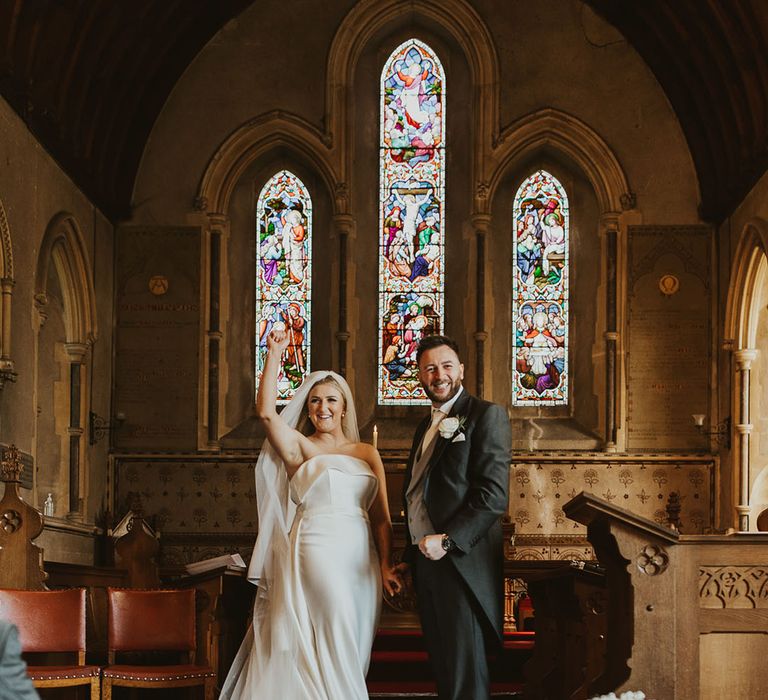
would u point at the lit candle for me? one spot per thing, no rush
(375, 437)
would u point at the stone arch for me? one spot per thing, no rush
(749, 261)
(458, 17)
(64, 248)
(251, 142)
(572, 137)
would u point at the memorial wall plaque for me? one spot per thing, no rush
(669, 339)
(157, 337)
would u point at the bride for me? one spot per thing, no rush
(322, 554)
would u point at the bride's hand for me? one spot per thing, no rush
(390, 580)
(277, 341)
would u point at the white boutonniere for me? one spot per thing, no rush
(450, 428)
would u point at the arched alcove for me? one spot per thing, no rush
(66, 329)
(235, 229)
(746, 327)
(599, 191)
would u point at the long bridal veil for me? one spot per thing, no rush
(274, 646)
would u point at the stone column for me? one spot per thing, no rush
(611, 225)
(213, 333)
(6, 363)
(480, 222)
(76, 430)
(743, 427)
(343, 225)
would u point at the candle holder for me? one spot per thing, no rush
(721, 431)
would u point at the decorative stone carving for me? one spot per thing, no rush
(733, 587)
(341, 194)
(652, 560)
(628, 201)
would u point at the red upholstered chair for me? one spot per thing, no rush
(160, 621)
(48, 622)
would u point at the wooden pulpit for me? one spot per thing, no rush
(686, 615)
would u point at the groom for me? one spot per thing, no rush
(456, 490)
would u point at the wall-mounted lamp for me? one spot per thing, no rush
(721, 431)
(98, 427)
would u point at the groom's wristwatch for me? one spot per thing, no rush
(448, 544)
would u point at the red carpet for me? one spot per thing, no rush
(400, 666)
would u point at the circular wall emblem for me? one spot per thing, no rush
(158, 285)
(669, 284)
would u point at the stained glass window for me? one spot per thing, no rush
(540, 282)
(284, 276)
(411, 215)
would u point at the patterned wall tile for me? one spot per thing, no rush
(539, 489)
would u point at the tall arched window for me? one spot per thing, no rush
(540, 289)
(412, 215)
(284, 276)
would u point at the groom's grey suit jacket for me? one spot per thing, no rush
(466, 491)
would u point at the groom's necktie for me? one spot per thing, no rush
(429, 435)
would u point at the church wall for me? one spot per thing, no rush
(556, 55)
(33, 190)
(576, 64)
(266, 59)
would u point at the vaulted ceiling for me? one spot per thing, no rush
(89, 78)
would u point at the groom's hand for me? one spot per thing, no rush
(431, 546)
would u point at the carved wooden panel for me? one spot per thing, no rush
(733, 587)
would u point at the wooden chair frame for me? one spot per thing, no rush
(122, 629)
(18, 607)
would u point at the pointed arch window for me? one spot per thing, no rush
(411, 215)
(284, 276)
(540, 291)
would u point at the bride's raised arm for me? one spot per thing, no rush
(286, 441)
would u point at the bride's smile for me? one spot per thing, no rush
(326, 408)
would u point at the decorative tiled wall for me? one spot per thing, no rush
(641, 484)
(205, 507)
(202, 507)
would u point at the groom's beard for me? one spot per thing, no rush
(434, 398)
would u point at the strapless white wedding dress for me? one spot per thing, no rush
(312, 640)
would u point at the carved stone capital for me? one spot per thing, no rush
(76, 351)
(745, 357)
(481, 222)
(7, 374)
(344, 224)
